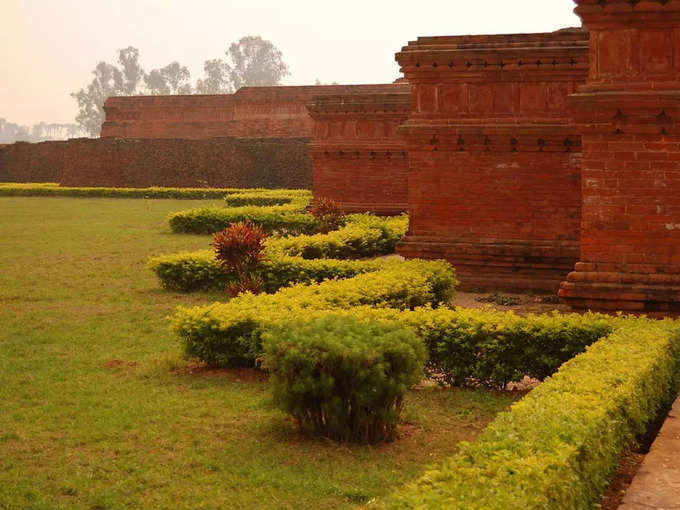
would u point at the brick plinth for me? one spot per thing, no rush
(494, 177)
(358, 159)
(629, 111)
(252, 112)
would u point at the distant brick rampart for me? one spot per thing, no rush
(252, 112)
(214, 162)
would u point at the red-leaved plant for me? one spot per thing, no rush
(239, 248)
(328, 213)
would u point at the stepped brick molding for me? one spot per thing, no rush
(252, 112)
(629, 110)
(214, 162)
(358, 159)
(494, 178)
(32, 162)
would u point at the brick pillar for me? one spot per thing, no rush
(630, 113)
(358, 159)
(494, 177)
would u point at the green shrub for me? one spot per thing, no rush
(342, 378)
(207, 220)
(53, 189)
(559, 446)
(229, 334)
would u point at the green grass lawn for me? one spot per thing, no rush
(98, 410)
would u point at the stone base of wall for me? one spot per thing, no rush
(597, 287)
(509, 265)
(215, 162)
(32, 162)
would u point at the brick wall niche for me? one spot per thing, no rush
(630, 116)
(494, 178)
(358, 158)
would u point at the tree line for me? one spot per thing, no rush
(11, 132)
(250, 62)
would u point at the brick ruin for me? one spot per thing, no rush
(251, 112)
(358, 158)
(494, 181)
(629, 115)
(530, 161)
(210, 162)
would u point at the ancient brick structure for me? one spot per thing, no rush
(214, 162)
(630, 115)
(358, 159)
(32, 162)
(252, 112)
(168, 116)
(494, 181)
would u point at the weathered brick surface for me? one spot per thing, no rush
(215, 162)
(252, 112)
(32, 162)
(358, 158)
(629, 114)
(494, 184)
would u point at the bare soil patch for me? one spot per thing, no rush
(522, 304)
(120, 363)
(628, 467)
(245, 375)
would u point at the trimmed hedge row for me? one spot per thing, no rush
(559, 446)
(268, 198)
(490, 348)
(230, 334)
(193, 271)
(53, 189)
(365, 235)
(208, 220)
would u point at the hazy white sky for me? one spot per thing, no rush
(48, 48)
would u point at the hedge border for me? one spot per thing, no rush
(53, 189)
(559, 446)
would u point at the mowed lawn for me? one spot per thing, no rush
(99, 411)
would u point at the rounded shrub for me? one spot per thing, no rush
(344, 378)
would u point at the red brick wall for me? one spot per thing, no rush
(494, 180)
(215, 162)
(32, 162)
(628, 112)
(252, 112)
(358, 158)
